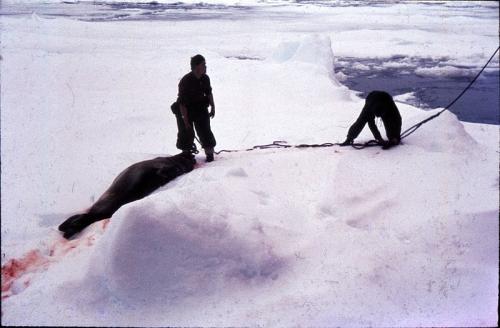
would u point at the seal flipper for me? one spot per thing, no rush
(75, 224)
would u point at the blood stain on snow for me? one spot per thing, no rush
(34, 261)
(105, 223)
(15, 268)
(62, 247)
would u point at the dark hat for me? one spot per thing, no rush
(196, 60)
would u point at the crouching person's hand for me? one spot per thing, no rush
(391, 143)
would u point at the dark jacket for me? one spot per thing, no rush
(193, 92)
(380, 104)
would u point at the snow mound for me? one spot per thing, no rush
(168, 254)
(340, 76)
(408, 98)
(237, 172)
(443, 134)
(314, 49)
(310, 237)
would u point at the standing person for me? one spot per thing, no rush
(195, 95)
(378, 104)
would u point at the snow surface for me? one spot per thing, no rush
(315, 237)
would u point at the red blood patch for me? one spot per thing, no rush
(105, 223)
(63, 246)
(15, 268)
(34, 261)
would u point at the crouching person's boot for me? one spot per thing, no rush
(210, 154)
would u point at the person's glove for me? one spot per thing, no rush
(388, 144)
(347, 142)
(212, 112)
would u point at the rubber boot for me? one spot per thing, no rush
(191, 150)
(210, 154)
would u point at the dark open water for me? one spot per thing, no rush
(480, 104)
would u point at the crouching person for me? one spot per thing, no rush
(378, 104)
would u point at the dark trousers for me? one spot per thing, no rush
(200, 119)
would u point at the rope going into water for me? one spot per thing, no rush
(371, 143)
